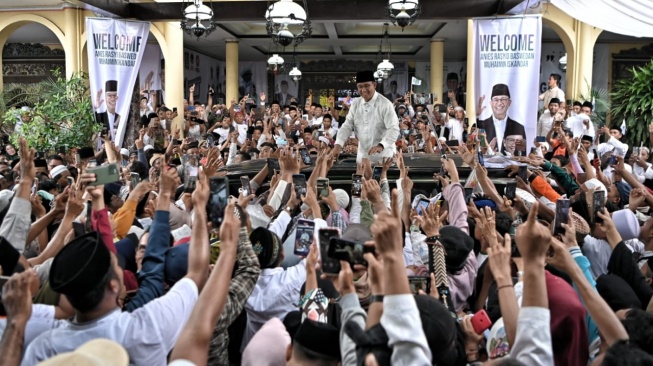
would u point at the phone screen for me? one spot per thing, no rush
(523, 172)
(419, 283)
(511, 190)
(562, 216)
(135, 178)
(356, 185)
(329, 265)
(598, 198)
(247, 187)
(273, 164)
(322, 187)
(347, 250)
(540, 139)
(376, 173)
(217, 200)
(305, 156)
(422, 205)
(299, 182)
(481, 159)
(468, 193)
(304, 237)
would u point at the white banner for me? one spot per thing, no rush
(253, 79)
(115, 50)
(396, 85)
(150, 74)
(285, 89)
(507, 65)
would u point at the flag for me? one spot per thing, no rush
(623, 127)
(416, 81)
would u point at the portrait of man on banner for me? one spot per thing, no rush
(109, 118)
(499, 125)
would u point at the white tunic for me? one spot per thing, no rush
(373, 122)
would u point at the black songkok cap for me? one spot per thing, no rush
(364, 76)
(500, 89)
(80, 265)
(319, 338)
(111, 86)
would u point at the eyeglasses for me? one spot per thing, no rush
(500, 100)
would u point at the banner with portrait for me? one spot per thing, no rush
(150, 74)
(252, 79)
(507, 70)
(205, 73)
(397, 84)
(285, 88)
(115, 50)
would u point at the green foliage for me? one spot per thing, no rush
(598, 97)
(632, 100)
(61, 112)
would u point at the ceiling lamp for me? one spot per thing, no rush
(197, 18)
(295, 74)
(403, 12)
(379, 75)
(275, 60)
(287, 22)
(386, 67)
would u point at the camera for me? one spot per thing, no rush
(285, 38)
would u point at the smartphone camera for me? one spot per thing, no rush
(217, 200)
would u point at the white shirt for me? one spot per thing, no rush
(533, 340)
(554, 92)
(316, 121)
(275, 294)
(641, 173)
(223, 133)
(242, 131)
(455, 129)
(578, 128)
(598, 252)
(544, 124)
(148, 333)
(373, 122)
(499, 130)
(619, 147)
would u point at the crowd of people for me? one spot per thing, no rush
(145, 265)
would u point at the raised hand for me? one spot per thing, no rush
(230, 228)
(532, 237)
(480, 107)
(202, 190)
(386, 230)
(27, 169)
(98, 100)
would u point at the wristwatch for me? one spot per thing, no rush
(289, 209)
(380, 145)
(376, 298)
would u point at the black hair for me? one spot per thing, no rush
(73, 172)
(315, 359)
(245, 156)
(90, 300)
(308, 130)
(54, 157)
(317, 105)
(503, 223)
(639, 325)
(623, 354)
(557, 78)
(140, 168)
(507, 361)
(562, 159)
(47, 185)
(327, 116)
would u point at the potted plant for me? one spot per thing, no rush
(632, 101)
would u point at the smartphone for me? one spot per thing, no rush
(305, 156)
(598, 199)
(453, 143)
(419, 283)
(533, 150)
(481, 159)
(596, 154)
(62, 150)
(305, 117)
(105, 174)
(174, 109)
(613, 159)
(71, 181)
(135, 178)
(217, 200)
(329, 265)
(523, 173)
(299, 182)
(249, 136)
(210, 140)
(481, 133)
(247, 187)
(468, 193)
(411, 149)
(322, 187)
(511, 190)
(562, 216)
(348, 250)
(481, 321)
(89, 215)
(35, 186)
(422, 205)
(78, 160)
(376, 173)
(356, 185)
(304, 237)
(466, 121)
(273, 164)
(540, 139)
